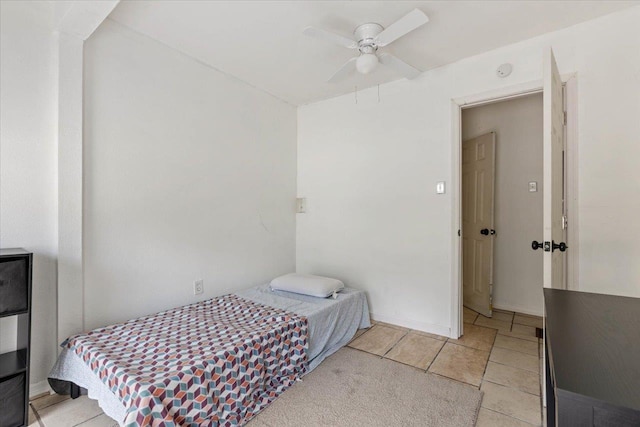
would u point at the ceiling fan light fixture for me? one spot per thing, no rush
(367, 38)
(366, 63)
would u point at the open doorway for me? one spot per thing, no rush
(502, 207)
(559, 187)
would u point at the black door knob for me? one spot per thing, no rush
(536, 245)
(562, 246)
(484, 231)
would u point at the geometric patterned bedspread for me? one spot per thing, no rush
(214, 363)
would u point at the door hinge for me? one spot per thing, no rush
(565, 118)
(459, 234)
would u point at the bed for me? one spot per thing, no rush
(216, 362)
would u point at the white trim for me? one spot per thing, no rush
(456, 248)
(457, 104)
(412, 324)
(498, 95)
(39, 388)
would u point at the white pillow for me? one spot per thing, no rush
(307, 284)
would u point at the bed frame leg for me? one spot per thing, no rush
(75, 391)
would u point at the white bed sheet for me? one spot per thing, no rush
(332, 322)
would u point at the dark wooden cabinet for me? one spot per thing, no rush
(592, 359)
(15, 300)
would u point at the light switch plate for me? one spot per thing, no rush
(533, 186)
(440, 189)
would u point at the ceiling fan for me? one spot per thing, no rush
(367, 39)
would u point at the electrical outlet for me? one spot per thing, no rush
(301, 205)
(198, 287)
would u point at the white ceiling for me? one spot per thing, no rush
(261, 42)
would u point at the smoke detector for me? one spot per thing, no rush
(504, 70)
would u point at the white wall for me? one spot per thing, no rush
(188, 174)
(517, 270)
(369, 172)
(28, 167)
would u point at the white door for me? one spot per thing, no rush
(553, 175)
(478, 176)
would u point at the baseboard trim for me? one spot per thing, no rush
(444, 331)
(39, 388)
(522, 310)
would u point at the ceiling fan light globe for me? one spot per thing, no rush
(366, 63)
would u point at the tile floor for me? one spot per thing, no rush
(501, 356)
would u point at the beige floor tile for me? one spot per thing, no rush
(390, 325)
(513, 377)
(468, 315)
(489, 418)
(70, 412)
(33, 420)
(493, 323)
(48, 400)
(460, 363)
(378, 340)
(517, 344)
(524, 330)
(38, 396)
(427, 334)
(536, 322)
(476, 337)
(415, 350)
(508, 401)
(358, 333)
(99, 421)
(362, 331)
(531, 338)
(535, 316)
(515, 359)
(502, 317)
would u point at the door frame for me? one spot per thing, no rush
(571, 161)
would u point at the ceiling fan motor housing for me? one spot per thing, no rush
(365, 34)
(367, 38)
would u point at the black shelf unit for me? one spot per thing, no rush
(16, 267)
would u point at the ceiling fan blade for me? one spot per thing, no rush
(399, 65)
(331, 37)
(402, 26)
(346, 68)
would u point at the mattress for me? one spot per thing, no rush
(290, 334)
(332, 322)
